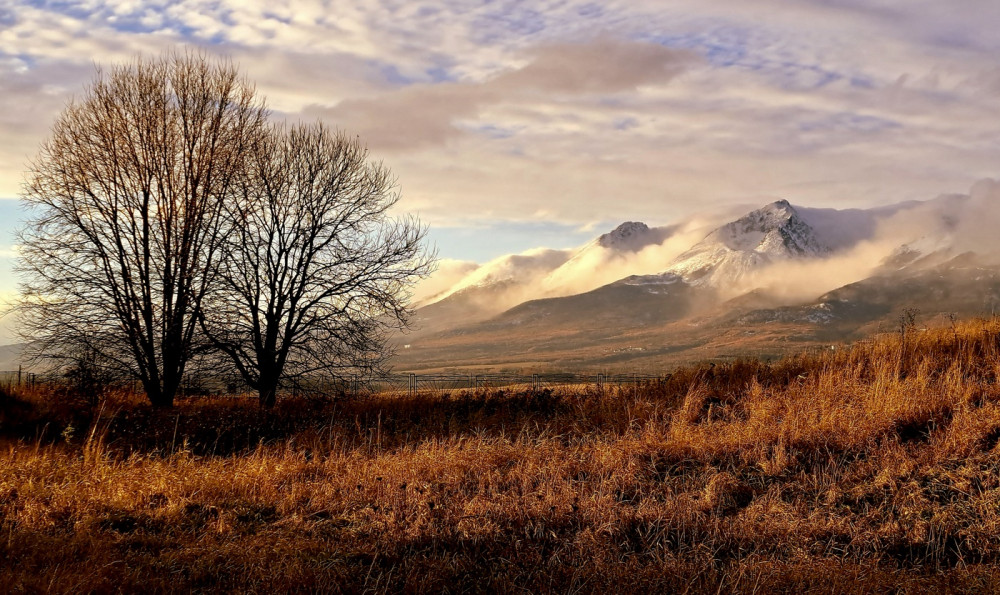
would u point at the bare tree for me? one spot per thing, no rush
(315, 270)
(128, 198)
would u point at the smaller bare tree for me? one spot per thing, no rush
(315, 271)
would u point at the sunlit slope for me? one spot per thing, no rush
(650, 326)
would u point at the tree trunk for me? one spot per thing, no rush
(161, 389)
(159, 398)
(163, 401)
(267, 382)
(267, 393)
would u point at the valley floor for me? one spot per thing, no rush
(868, 470)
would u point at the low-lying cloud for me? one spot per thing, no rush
(911, 234)
(448, 274)
(594, 266)
(864, 242)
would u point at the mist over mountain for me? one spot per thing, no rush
(771, 278)
(509, 280)
(740, 248)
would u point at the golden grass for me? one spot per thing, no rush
(872, 469)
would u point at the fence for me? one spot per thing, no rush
(392, 383)
(18, 378)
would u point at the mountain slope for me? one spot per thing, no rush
(514, 279)
(727, 294)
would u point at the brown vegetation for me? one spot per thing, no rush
(872, 469)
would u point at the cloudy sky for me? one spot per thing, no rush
(513, 124)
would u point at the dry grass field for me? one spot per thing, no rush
(867, 470)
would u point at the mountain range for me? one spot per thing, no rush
(766, 281)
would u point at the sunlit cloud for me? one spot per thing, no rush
(572, 112)
(449, 272)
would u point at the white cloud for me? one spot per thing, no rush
(449, 272)
(508, 110)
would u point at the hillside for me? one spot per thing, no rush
(652, 323)
(774, 280)
(10, 356)
(867, 470)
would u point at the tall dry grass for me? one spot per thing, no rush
(870, 469)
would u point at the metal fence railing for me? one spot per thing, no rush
(18, 378)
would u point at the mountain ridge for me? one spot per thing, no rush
(729, 288)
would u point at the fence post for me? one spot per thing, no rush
(413, 384)
(19, 375)
(534, 382)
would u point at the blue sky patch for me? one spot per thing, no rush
(491, 239)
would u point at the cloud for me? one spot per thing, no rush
(508, 280)
(793, 282)
(570, 110)
(604, 66)
(939, 229)
(593, 266)
(449, 272)
(424, 115)
(546, 273)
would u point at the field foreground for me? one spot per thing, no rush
(872, 469)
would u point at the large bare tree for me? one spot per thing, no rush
(316, 270)
(128, 200)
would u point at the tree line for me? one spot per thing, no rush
(172, 221)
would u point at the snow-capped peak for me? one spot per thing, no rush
(775, 229)
(631, 236)
(739, 248)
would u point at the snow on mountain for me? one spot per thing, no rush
(630, 236)
(775, 229)
(660, 279)
(510, 270)
(616, 254)
(738, 249)
(791, 251)
(928, 250)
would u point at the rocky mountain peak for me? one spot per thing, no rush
(775, 229)
(628, 236)
(737, 250)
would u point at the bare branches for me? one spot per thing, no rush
(315, 270)
(170, 220)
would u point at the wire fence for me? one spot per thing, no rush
(17, 378)
(386, 384)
